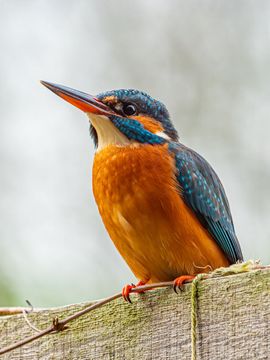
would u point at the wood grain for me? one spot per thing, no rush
(233, 323)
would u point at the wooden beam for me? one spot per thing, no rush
(233, 322)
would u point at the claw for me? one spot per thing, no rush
(178, 282)
(127, 290)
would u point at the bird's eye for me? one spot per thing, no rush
(129, 109)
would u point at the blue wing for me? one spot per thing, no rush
(204, 194)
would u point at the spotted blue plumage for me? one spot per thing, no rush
(204, 194)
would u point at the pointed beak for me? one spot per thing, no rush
(81, 100)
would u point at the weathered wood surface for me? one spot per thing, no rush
(233, 323)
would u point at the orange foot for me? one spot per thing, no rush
(178, 282)
(127, 290)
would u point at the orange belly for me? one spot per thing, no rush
(156, 233)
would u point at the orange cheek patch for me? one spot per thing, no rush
(149, 123)
(110, 100)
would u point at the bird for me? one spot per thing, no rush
(162, 204)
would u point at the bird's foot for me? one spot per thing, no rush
(179, 282)
(127, 290)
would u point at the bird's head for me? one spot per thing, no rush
(121, 117)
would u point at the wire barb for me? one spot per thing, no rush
(60, 325)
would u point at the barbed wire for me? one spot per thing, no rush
(61, 325)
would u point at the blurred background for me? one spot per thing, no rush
(208, 61)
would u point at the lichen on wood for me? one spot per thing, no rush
(233, 322)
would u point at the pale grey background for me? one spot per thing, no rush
(208, 61)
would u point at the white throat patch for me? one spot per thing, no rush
(163, 135)
(107, 133)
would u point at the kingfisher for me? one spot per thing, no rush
(163, 205)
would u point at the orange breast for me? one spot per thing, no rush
(138, 199)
